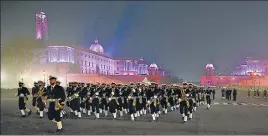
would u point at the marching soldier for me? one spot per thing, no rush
(34, 92)
(265, 94)
(23, 92)
(76, 100)
(83, 99)
(191, 96)
(144, 100)
(41, 98)
(234, 94)
(90, 93)
(96, 100)
(208, 97)
(184, 103)
(120, 99)
(56, 98)
(132, 103)
(164, 99)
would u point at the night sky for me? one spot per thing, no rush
(181, 36)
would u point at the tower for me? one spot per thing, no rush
(209, 73)
(41, 26)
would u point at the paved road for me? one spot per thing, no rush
(220, 119)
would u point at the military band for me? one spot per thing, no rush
(115, 100)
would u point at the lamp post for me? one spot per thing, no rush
(44, 73)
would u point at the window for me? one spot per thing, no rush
(88, 63)
(85, 55)
(81, 62)
(81, 54)
(85, 63)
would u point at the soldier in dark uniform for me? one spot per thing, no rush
(70, 95)
(76, 100)
(41, 98)
(258, 93)
(138, 96)
(213, 92)
(132, 103)
(125, 93)
(56, 98)
(105, 94)
(189, 92)
(234, 94)
(223, 93)
(83, 99)
(184, 103)
(90, 93)
(164, 99)
(96, 100)
(113, 103)
(265, 94)
(208, 97)
(120, 98)
(144, 99)
(34, 92)
(23, 92)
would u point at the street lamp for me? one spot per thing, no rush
(44, 73)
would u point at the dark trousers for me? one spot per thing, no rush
(95, 105)
(164, 104)
(120, 105)
(76, 105)
(183, 107)
(22, 103)
(234, 97)
(213, 96)
(131, 108)
(153, 108)
(191, 103)
(40, 104)
(104, 104)
(208, 99)
(34, 101)
(52, 113)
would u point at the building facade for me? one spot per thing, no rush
(90, 61)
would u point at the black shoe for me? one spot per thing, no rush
(41, 117)
(29, 113)
(59, 130)
(23, 116)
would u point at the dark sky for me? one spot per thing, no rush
(182, 36)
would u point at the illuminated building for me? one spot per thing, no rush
(251, 72)
(41, 26)
(73, 59)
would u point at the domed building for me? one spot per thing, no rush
(153, 69)
(153, 65)
(97, 47)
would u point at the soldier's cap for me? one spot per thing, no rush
(21, 83)
(102, 84)
(82, 83)
(88, 83)
(74, 82)
(113, 84)
(190, 84)
(118, 84)
(35, 83)
(184, 83)
(40, 81)
(131, 83)
(52, 77)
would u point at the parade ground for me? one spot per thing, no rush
(246, 116)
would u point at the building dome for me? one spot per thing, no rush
(210, 66)
(97, 47)
(153, 65)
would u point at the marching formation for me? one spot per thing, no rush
(133, 100)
